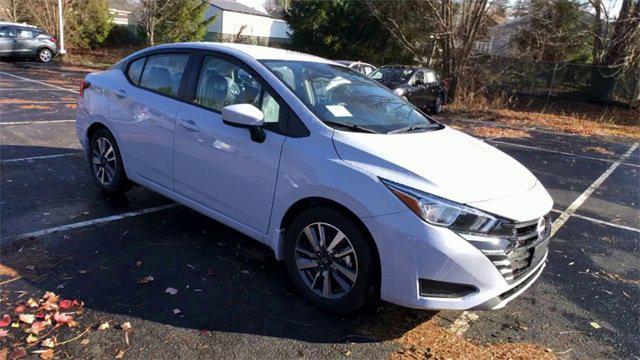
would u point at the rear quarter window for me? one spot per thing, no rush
(135, 70)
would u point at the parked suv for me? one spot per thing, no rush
(26, 41)
(359, 192)
(420, 86)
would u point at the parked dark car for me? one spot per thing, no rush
(420, 86)
(26, 41)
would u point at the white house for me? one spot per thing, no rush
(236, 22)
(122, 10)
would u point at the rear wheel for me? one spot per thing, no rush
(45, 55)
(106, 164)
(329, 260)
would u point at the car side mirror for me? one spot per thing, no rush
(245, 116)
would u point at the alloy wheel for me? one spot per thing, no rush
(45, 55)
(103, 159)
(326, 260)
(439, 103)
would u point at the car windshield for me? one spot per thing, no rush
(392, 74)
(343, 98)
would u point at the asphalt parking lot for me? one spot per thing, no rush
(234, 300)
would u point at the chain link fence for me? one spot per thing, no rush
(567, 81)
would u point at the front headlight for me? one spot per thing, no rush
(399, 91)
(441, 212)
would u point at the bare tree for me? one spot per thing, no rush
(454, 24)
(11, 9)
(150, 13)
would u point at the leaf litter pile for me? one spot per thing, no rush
(36, 326)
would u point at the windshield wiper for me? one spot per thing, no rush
(352, 126)
(416, 128)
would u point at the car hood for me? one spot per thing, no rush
(445, 163)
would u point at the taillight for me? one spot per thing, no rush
(83, 85)
(53, 39)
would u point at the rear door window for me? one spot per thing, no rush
(23, 33)
(163, 73)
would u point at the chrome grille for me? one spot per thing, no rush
(515, 248)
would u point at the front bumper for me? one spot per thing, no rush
(411, 250)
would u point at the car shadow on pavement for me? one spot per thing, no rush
(225, 282)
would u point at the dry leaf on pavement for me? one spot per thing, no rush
(171, 291)
(104, 326)
(5, 321)
(27, 318)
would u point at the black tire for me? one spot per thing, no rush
(438, 105)
(363, 289)
(119, 183)
(45, 55)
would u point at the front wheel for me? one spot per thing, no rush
(438, 105)
(329, 260)
(45, 55)
(105, 163)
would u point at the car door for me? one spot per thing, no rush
(26, 43)
(417, 90)
(143, 109)
(433, 86)
(219, 166)
(8, 40)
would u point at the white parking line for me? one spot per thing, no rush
(461, 323)
(39, 82)
(37, 157)
(602, 222)
(585, 195)
(36, 122)
(556, 152)
(102, 220)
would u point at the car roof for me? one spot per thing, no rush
(254, 51)
(24, 25)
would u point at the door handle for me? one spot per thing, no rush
(189, 125)
(121, 94)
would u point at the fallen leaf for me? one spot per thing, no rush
(171, 291)
(50, 296)
(31, 339)
(245, 271)
(84, 341)
(571, 263)
(15, 325)
(30, 267)
(19, 308)
(6, 320)
(82, 271)
(3, 333)
(32, 303)
(49, 342)
(37, 327)
(26, 318)
(62, 318)
(145, 280)
(104, 326)
(177, 311)
(595, 325)
(120, 354)
(18, 353)
(126, 326)
(44, 354)
(138, 263)
(65, 304)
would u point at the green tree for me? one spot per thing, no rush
(342, 29)
(186, 22)
(93, 22)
